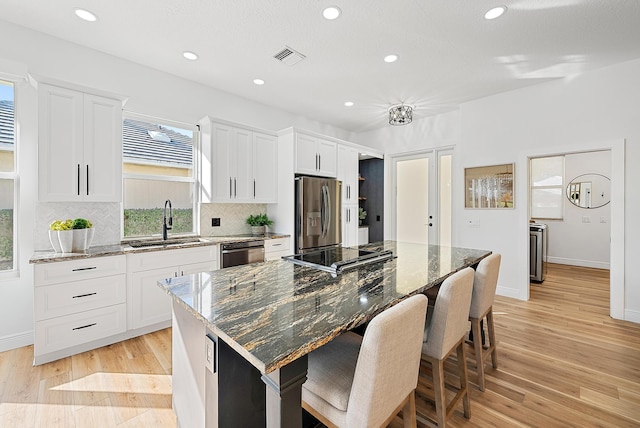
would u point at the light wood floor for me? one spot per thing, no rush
(562, 363)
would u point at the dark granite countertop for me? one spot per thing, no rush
(118, 249)
(274, 312)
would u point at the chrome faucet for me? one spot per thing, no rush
(167, 226)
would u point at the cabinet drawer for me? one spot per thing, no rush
(276, 255)
(280, 244)
(72, 297)
(163, 258)
(75, 270)
(71, 330)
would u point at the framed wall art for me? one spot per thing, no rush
(489, 186)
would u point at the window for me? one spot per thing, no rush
(158, 165)
(7, 177)
(547, 187)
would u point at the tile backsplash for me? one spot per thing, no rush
(232, 218)
(105, 217)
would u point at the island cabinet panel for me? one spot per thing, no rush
(78, 305)
(148, 305)
(79, 146)
(238, 164)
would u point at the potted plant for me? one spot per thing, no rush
(362, 214)
(61, 235)
(258, 223)
(82, 234)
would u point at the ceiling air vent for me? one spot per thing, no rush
(289, 56)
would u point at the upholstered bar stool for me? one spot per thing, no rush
(484, 293)
(356, 381)
(445, 330)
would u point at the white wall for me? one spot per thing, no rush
(148, 91)
(569, 115)
(571, 240)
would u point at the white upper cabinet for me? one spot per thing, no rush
(265, 168)
(315, 156)
(348, 173)
(80, 146)
(239, 165)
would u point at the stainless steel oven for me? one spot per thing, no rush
(241, 253)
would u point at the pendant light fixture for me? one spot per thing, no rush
(400, 114)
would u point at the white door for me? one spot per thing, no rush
(422, 198)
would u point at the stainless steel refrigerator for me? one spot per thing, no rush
(318, 213)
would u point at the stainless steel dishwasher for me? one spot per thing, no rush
(241, 253)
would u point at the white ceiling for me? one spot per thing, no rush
(448, 53)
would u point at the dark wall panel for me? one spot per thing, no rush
(372, 170)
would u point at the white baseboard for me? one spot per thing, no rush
(510, 292)
(15, 341)
(577, 262)
(633, 316)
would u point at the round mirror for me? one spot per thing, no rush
(589, 191)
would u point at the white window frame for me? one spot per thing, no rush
(176, 179)
(14, 271)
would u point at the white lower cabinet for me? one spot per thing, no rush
(349, 225)
(78, 305)
(147, 303)
(65, 332)
(274, 249)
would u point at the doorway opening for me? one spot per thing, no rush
(616, 223)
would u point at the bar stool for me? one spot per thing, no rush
(444, 332)
(365, 382)
(484, 292)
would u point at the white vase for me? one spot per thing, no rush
(65, 237)
(82, 239)
(55, 241)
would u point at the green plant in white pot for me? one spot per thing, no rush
(258, 223)
(61, 235)
(82, 234)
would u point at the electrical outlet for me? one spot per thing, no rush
(603, 219)
(215, 221)
(473, 222)
(377, 218)
(210, 354)
(586, 219)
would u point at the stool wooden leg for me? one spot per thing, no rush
(437, 367)
(464, 381)
(477, 347)
(492, 338)
(409, 412)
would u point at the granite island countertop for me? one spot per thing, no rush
(274, 312)
(49, 256)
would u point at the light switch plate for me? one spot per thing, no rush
(210, 354)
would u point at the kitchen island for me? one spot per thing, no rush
(255, 324)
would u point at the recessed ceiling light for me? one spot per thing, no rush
(391, 58)
(348, 103)
(86, 15)
(331, 13)
(496, 12)
(190, 55)
(258, 81)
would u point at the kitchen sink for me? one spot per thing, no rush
(164, 242)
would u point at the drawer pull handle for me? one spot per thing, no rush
(84, 295)
(276, 245)
(85, 268)
(85, 326)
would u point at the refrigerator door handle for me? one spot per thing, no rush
(324, 214)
